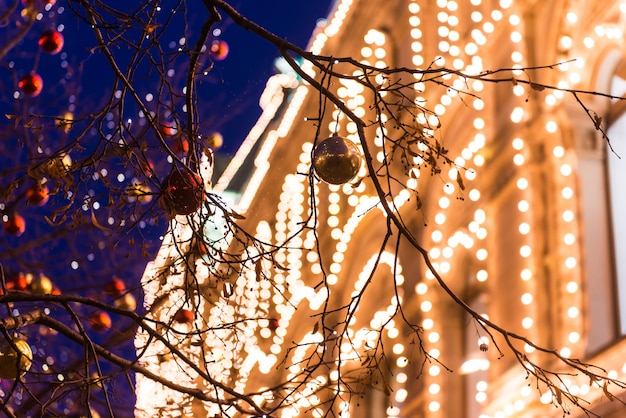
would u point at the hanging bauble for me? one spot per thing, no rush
(184, 316)
(65, 121)
(31, 84)
(336, 160)
(41, 285)
(273, 324)
(215, 141)
(16, 358)
(51, 41)
(168, 128)
(15, 225)
(17, 282)
(219, 49)
(115, 287)
(147, 167)
(37, 194)
(127, 302)
(180, 145)
(100, 321)
(183, 192)
(141, 193)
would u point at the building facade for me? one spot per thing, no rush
(524, 222)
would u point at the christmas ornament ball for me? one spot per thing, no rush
(336, 160)
(215, 141)
(183, 192)
(141, 193)
(100, 321)
(15, 358)
(219, 49)
(127, 301)
(15, 225)
(37, 194)
(115, 287)
(51, 41)
(31, 84)
(184, 316)
(41, 285)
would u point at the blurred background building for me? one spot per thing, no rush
(535, 239)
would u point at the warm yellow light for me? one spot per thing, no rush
(517, 115)
(570, 262)
(434, 406)
(481, 254)
(572, 312)
(526, 274)
(551, 126)
(568, 216)
(523, 206)
(527, 323)
(571, 287)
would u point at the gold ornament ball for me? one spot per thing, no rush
(127, 302)
(13, 364)
(41, 285)
(336, 160)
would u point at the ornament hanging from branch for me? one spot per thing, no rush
(336, 160)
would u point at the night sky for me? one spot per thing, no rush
(242, 76)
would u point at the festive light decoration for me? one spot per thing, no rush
(336, 160)
(126, 301)
(17, 282)
(215, 141)
(40, 285)
(16, 357)
(116, 287)
(180, 145)
(219, 49)
(100, 321)
(140, 192)
(183, 192)
(51, 41)
(15, 224)
(31, 85)
(37, 194)
(184, 316)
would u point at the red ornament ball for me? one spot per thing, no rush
(100, 321)
(51, 41)
(168, 128)
(115, 287)
(183, 192)
(15, 225)
(180, 145)
(37, 194)
(336, 160)
(31, 84)
(183, 316)
(219, 49)
(17, 282)
(273, 324)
